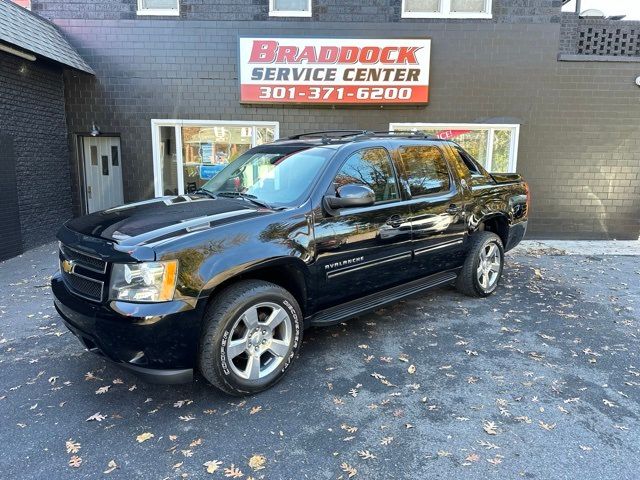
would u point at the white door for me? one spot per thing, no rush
(102, 173)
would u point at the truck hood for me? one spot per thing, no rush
(151, 221)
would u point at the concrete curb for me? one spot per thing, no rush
(579, 247)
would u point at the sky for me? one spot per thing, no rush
(615, 7)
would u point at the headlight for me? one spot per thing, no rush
(144, 282)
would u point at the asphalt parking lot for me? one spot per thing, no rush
(540, 381)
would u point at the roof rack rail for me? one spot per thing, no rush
(398, 133)
(328, 133)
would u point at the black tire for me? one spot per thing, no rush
(467, 281)
(219, 319)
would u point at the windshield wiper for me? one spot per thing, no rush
(246, 196)
(205, 192)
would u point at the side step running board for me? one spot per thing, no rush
(374, 301)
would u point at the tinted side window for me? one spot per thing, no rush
(371, 167)
(466, 158)
(427, 170)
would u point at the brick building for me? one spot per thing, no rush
(35, 179)
(519, 83)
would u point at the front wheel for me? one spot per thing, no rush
(483, 266)
(250, 336)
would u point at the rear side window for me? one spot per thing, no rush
(466, 159)
(371, 167)
(427, 170)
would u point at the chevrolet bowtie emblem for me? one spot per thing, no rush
(67, 266)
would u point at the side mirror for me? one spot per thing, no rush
(350, 196)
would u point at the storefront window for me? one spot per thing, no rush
(207, 150)
(494, 146)
(168, 160)
(189, 153)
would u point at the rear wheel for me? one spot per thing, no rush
(250, 336)
(483, 266)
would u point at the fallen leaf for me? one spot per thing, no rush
(411, 369)
(472, 457)
(386, 440)
(547, 426)
(102, 390)
(96, 417)
(75, 461)
(490, 427)
(257, 462)
(348, 428)
(143, 437)
(111, 466)
(232, 472)
(72, 447)
(212, 466)
(348, 469)
(255, 410)
(366, 455)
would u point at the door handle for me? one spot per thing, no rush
(89, 191)
(454, 209)
(394, 221)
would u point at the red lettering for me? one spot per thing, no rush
(369, 55)
(328, 55)
(308, 54)
(385, 56)
(263, 51)
(408, 55)
(287, 55)
(348, 55)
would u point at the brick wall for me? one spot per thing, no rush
(350, 11)
(602, 37)
(580, 135)
(32, 113)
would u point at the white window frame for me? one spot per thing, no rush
(445, 12)
(289, 13)
(177, 125)
(167, 12)
(515, 138)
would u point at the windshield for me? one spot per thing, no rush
(276, 175)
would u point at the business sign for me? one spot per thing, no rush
(334, 71)
(207, 172)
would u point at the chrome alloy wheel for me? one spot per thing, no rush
(259, 341)
(489, 266)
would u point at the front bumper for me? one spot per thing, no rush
(158, 342)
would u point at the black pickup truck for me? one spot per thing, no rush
(306, 231)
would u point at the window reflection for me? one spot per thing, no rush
(370, 167)
(207, 150)
(427, 170)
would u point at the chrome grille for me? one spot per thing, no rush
(83, 286)
(83, 259)
(83, 274)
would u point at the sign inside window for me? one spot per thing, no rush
(334, 71)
